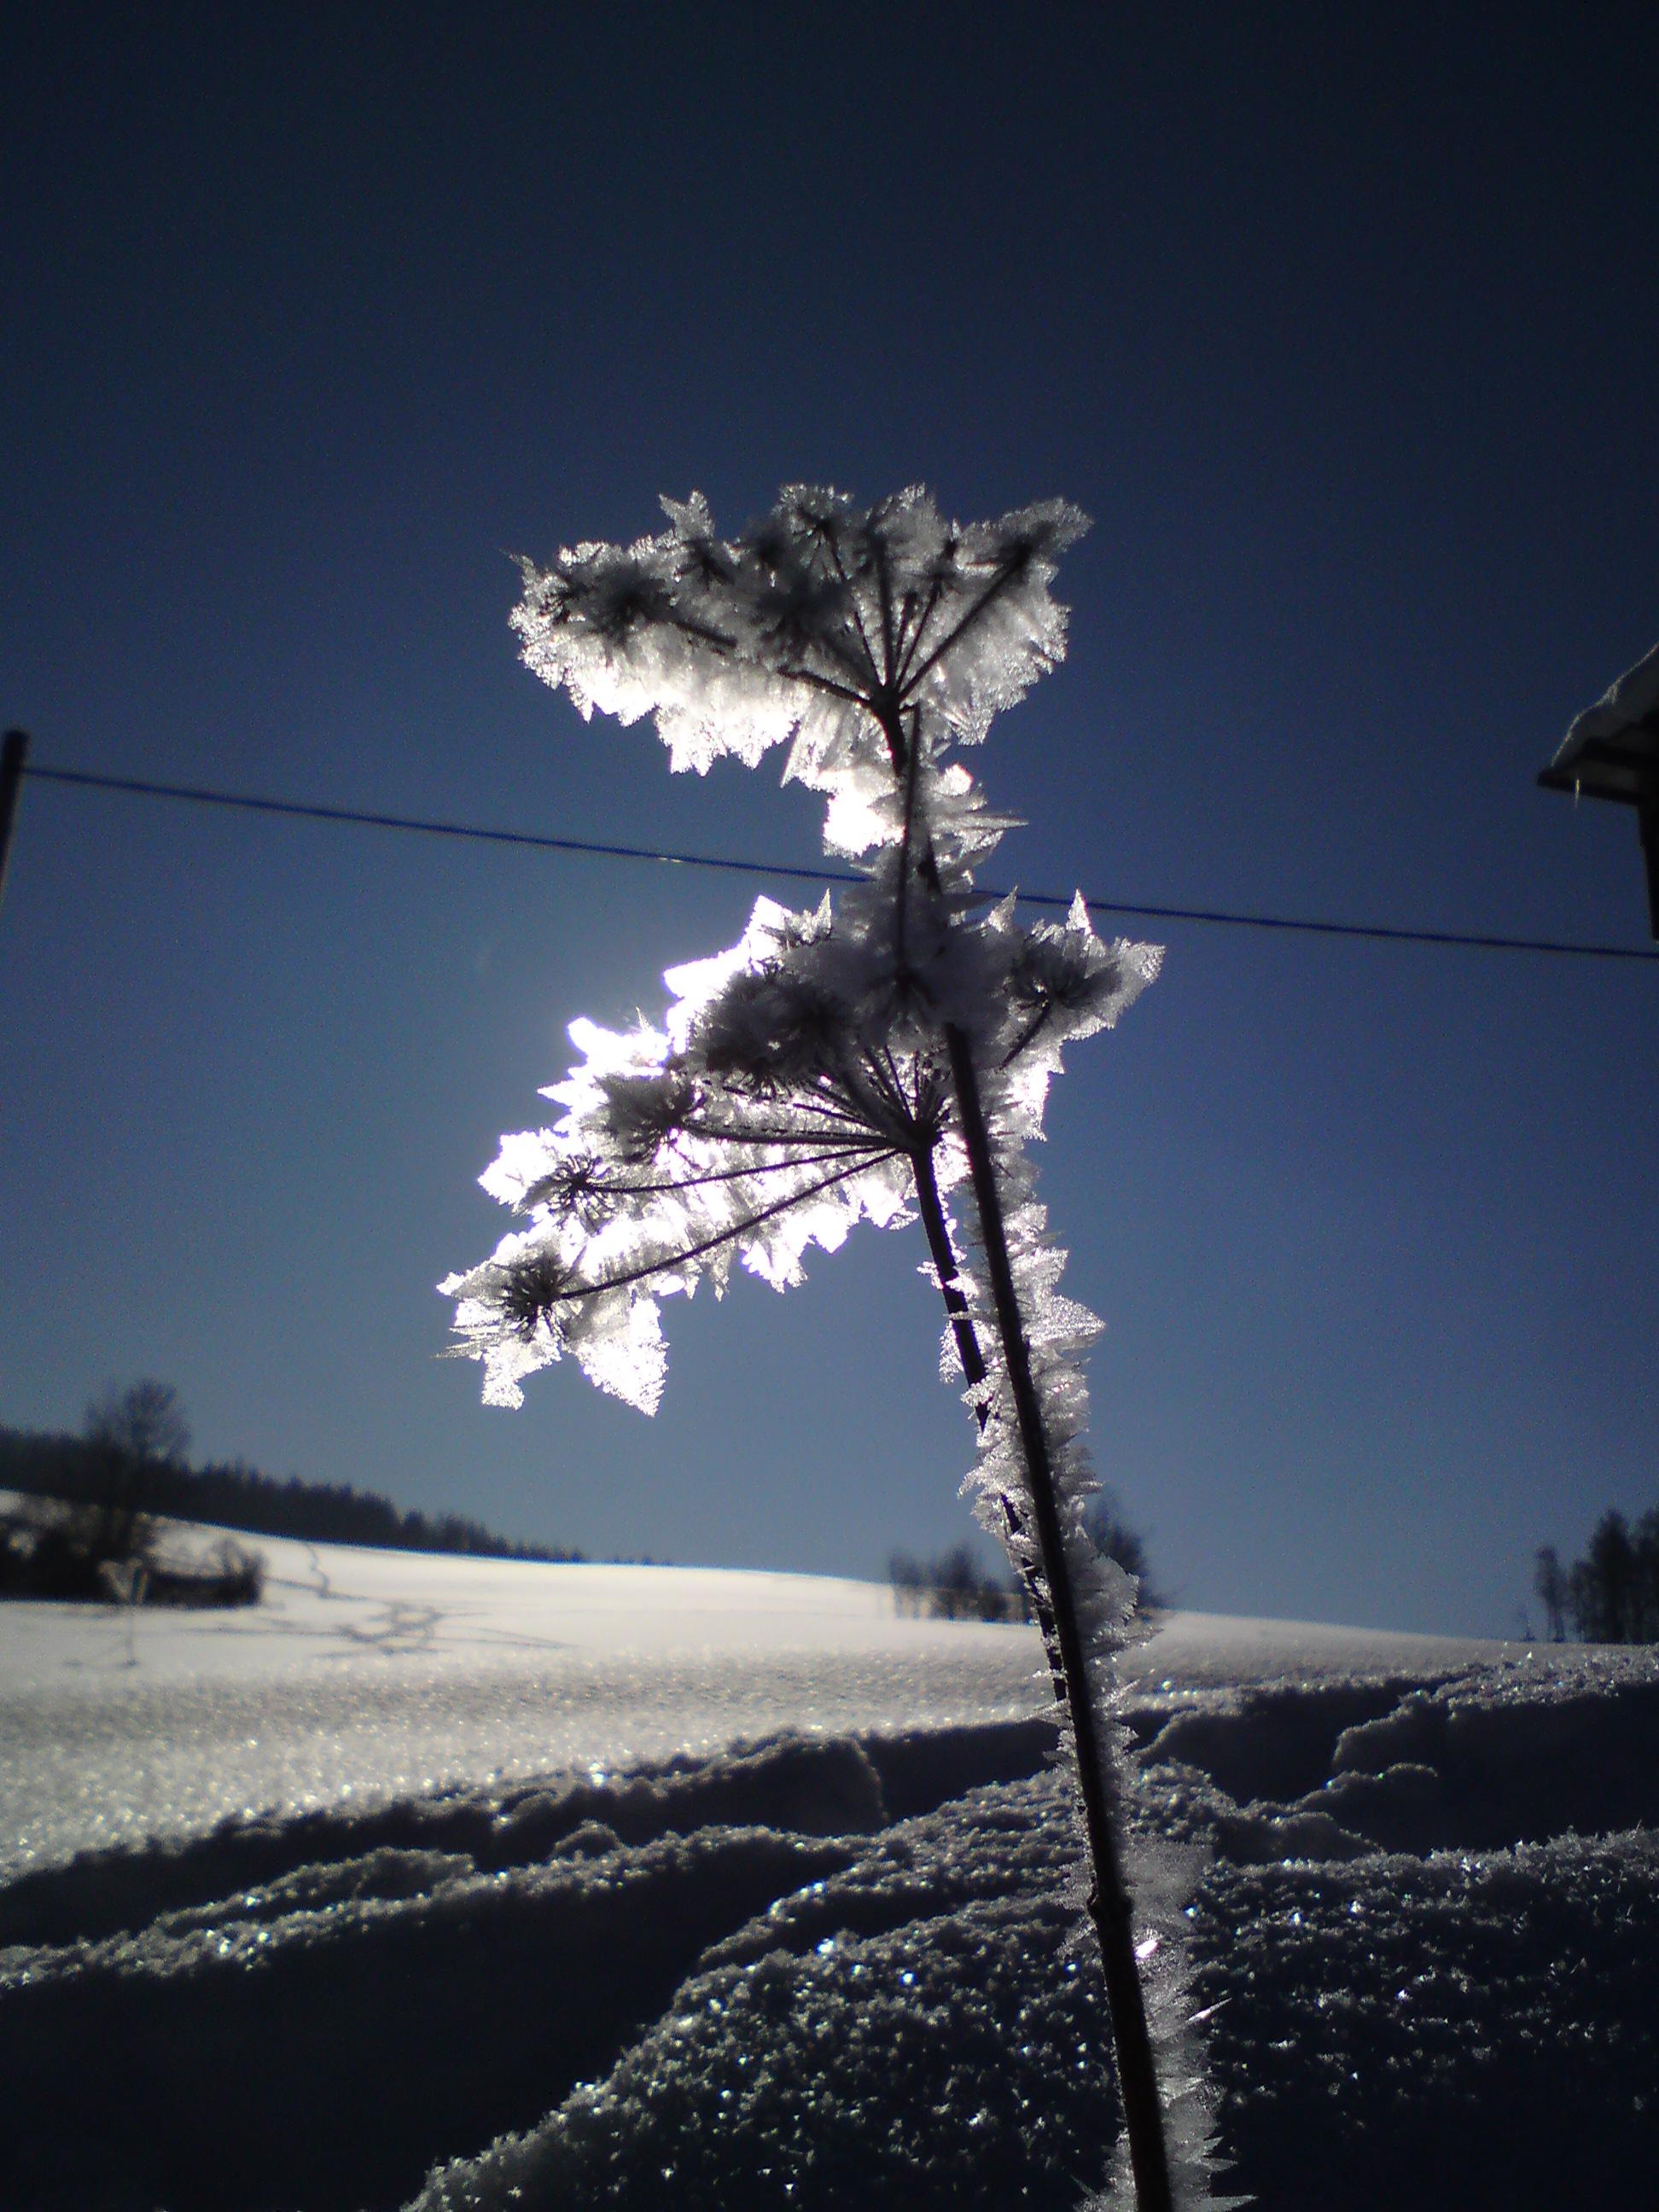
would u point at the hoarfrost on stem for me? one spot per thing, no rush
(868, 1060)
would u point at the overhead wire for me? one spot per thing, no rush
(1385, 933)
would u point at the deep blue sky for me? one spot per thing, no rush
(1342, 324)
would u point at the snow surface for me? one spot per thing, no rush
(366, 1675)
(570, 1886)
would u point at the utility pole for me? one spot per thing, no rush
(12, 763)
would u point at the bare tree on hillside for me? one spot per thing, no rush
(133, 1429)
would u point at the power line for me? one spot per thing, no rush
(201, 795)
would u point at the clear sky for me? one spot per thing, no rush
(1341, 322)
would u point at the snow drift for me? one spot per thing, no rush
(839, 1965)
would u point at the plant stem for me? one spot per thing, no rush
(973, 1366)
(1108, 1902)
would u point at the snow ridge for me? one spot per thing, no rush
(820, 1971)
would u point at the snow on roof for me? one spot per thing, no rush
(1612, 747)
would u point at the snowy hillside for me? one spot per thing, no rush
(729, 1890)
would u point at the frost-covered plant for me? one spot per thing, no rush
(868, 1060)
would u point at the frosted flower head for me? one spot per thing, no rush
(859, 635)
(527, 1289)
(776, 1109)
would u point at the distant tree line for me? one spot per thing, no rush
(1612, 1595)
(955, 1586)
(121, 1476)
(100, 1542)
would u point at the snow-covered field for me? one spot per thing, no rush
(628, 1885)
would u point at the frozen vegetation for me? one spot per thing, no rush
(467, 1883)
(884, 1059)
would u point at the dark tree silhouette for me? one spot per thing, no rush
(1114, 1539)
(75, 1471)
(1612, 1594)
(130, 1431)
(1604, 1584)
(145, 1421)
(955, 1586)
(1549, 1580)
